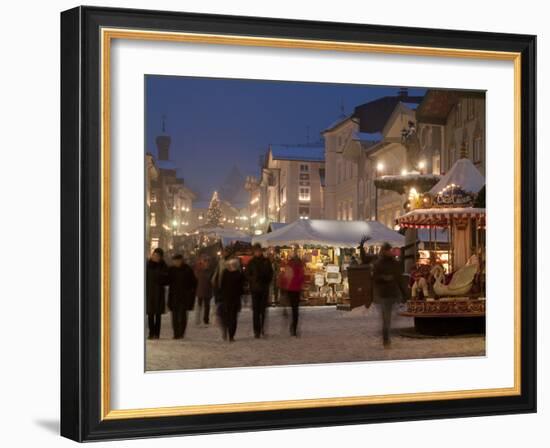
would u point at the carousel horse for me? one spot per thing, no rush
(461, 281)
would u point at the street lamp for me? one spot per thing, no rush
(421, 166)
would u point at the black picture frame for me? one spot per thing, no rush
(81, 224)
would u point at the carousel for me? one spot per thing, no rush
(448, 286)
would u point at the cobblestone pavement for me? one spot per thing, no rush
(326, 335)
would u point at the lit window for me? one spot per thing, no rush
(303, 212)
(436, 163)
(305, 194)
(154, 243)
(153, 197)
(477, 149)
(304, 168)
(153, 221)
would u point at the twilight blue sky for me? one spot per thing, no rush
(216, 124)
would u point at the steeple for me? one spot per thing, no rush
(163, 142)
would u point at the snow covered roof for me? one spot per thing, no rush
(331, 233)
(297, 152)
(229, 240)
(464, 174)
(373, 137)
(412, 106)
(341, 119)
(440, 217)
(276, 226)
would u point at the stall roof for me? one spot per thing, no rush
(275, 226)
(332, 233)
(464, 174)
(440, 217)
(228, 234)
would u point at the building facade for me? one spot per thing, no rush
(360, 147)
(169, 201)
(292, 183)
(451, 123)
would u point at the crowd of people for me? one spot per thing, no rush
(224, 280)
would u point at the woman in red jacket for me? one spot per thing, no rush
(294, 273)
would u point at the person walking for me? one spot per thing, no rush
(204, 272)
(217, 287)
(181, 294)
(156, 278)
(275, 259)
(259, 274)
(232, 288)
(387, 288)
(295, 281)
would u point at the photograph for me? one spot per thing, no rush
(290, 223)
(272, 223)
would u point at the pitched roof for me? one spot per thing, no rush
(304, 153)
(373, 116)
(438, 103)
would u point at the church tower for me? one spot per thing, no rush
(163, 142)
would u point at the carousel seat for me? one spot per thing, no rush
(461, 282)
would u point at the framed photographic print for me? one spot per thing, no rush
(276, 224)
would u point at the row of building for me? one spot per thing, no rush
(333, 179)
(336, 179)
(172, 209)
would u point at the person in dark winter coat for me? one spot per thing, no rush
(293, 286)
(217, 287)
(259, 273)
(387, 288)
(204, 271)
(181, 294)
(232, 287)
(156, 278)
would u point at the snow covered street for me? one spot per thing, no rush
(326, 335)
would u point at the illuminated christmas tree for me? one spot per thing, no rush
(214, 213)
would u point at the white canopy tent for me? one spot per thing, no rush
(330, 233)
(226, 236)
(464, 174)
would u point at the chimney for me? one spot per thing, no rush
(403, 93)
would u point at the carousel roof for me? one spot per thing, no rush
(331, 233)
(463, 174)
(440, 217)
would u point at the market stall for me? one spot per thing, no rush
(327, 247)
(448, 289)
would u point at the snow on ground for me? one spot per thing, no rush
(326, 335)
